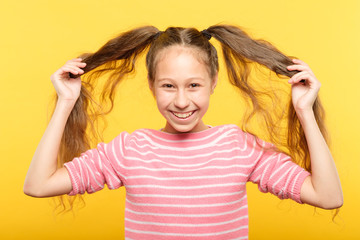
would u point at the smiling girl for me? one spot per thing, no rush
(188, 179)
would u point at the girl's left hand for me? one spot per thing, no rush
(304, 93)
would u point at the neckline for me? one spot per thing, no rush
(187, 135)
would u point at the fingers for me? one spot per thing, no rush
(73, 69)
(298, 61)
(299, 77)
(76, 65)
(305, 76)
(73, 66)
(75, 60)
(298, 65)
(305, 73)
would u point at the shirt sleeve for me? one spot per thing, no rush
(276, 173)
(96, 167)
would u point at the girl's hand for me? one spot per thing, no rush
(67, 88)
(304, 93)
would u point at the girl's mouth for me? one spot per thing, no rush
(183, 115)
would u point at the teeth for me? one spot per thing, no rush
(183, 115)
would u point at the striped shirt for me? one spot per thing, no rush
(189, 185)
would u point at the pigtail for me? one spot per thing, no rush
(239, 52)
(116, 58)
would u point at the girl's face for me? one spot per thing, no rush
(182, 88)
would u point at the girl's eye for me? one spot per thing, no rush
(168, 85)
(194, 85)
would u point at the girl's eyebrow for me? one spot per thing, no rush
(171, 79)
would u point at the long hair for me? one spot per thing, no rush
(117, 59)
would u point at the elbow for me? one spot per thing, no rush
(337, 204)
(28, 191)
(31, 191)
(333, 203)
(332, 206)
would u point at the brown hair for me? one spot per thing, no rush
(118, 57)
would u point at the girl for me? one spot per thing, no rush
(187, 180)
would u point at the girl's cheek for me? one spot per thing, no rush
(164, 97)
(164, 94)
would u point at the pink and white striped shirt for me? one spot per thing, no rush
(189, 185)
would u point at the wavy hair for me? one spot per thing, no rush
(117, 59)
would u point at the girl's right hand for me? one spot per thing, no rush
(67, 88)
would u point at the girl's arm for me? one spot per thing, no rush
(43, 178)
(322, 188)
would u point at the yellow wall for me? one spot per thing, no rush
(37, 37)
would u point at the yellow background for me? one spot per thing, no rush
(37, 37)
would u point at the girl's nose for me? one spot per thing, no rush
(181, 100)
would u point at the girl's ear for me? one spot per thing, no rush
(151, 85)
(214, 82)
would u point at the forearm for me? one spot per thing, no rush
(324, 177)
(44, 162)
